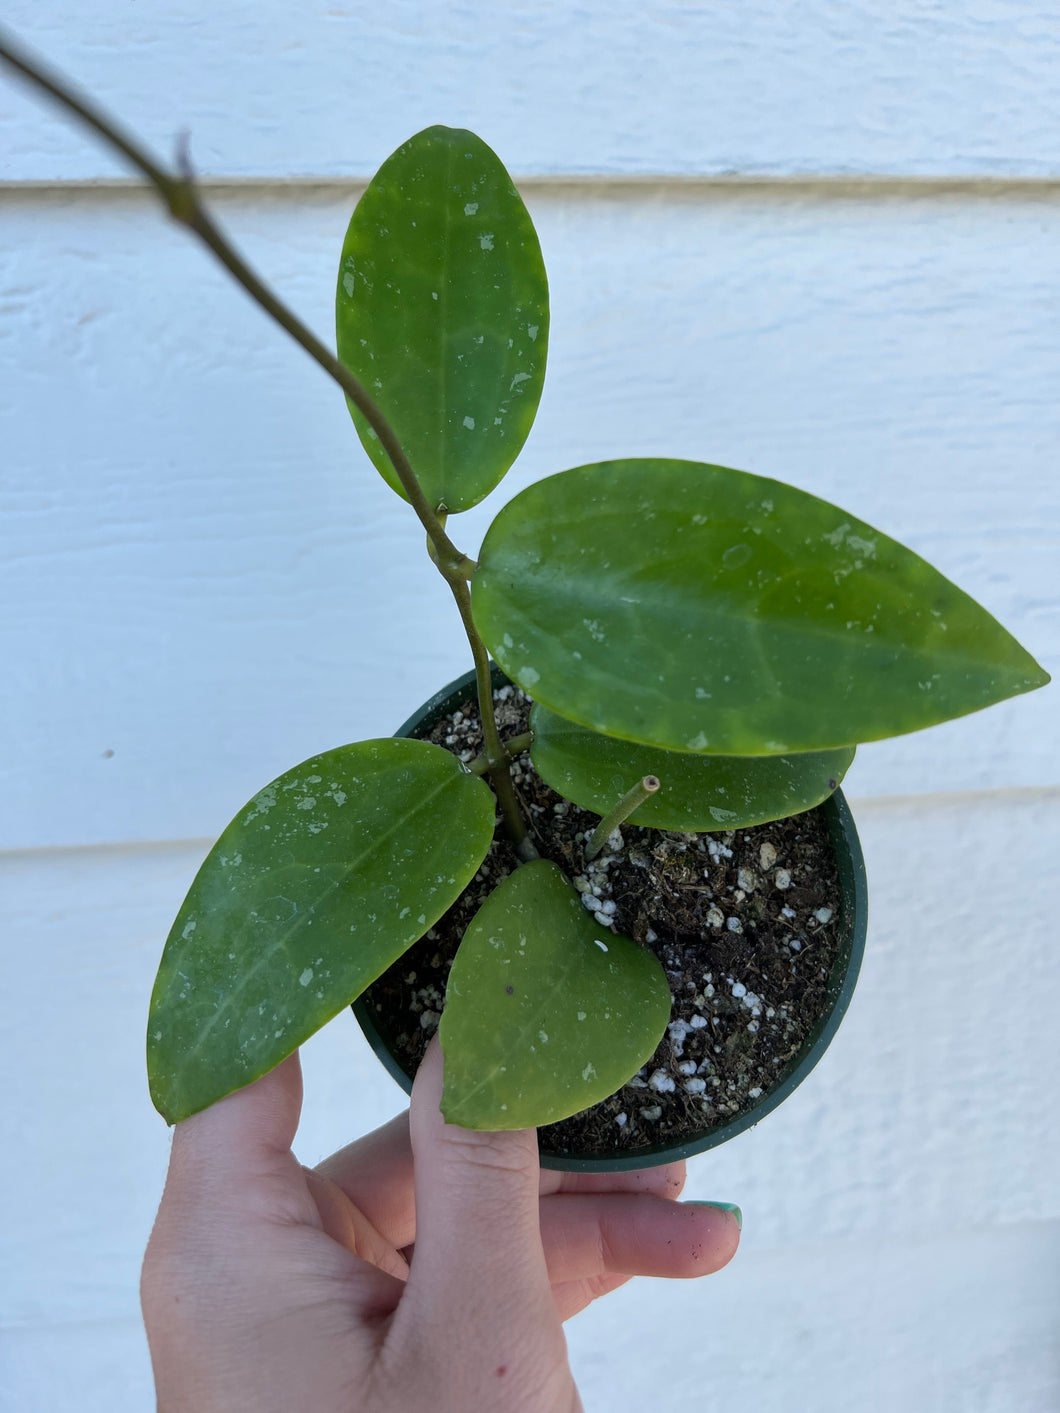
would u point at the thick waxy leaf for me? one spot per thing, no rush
(546, 1012)
(696, 792)
(316, 886)
(707, 610)
(442, 313)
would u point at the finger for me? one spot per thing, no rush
(629, 1234)
(571, 1297)
(247, 1136)
(237, 1199)
(261, 1118)
(375, 1173)
(478, 1263)
(345, 1223)
(667, 1181)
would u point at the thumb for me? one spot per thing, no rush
(246, 1134)
(478, 1256)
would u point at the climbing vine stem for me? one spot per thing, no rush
(179, 192)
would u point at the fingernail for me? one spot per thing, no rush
(722, 1207)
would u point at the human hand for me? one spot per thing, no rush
(268, 1286)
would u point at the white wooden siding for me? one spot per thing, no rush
(909, 87)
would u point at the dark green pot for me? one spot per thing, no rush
(852, 923)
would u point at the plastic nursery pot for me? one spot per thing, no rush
(852, 921)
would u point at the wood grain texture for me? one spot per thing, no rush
(900, 86)
(203, 574)
(900, 1208)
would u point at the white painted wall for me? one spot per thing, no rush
(190, 529)
(909, 87)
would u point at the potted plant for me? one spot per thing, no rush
(708, 1080)
(703, 649)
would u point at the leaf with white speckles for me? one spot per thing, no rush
(707, 610)
(546, 1012)
(696, 792)
(442, 313)
(313, 890)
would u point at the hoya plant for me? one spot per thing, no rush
(704, 649)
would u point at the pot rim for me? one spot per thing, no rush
(842, 980)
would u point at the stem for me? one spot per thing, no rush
(180, 196)
(496, 756)
(621, 812)
(465, 566)
(515, 746)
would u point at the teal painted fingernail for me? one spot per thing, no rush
(722, 1207)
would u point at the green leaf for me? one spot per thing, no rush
(696, 793)
(707, 610)
(546, 1012)
(316, 886)
(442, 313)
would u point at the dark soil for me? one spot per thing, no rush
(745, 923)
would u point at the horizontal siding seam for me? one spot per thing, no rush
(813, 184)
(1018, 795)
